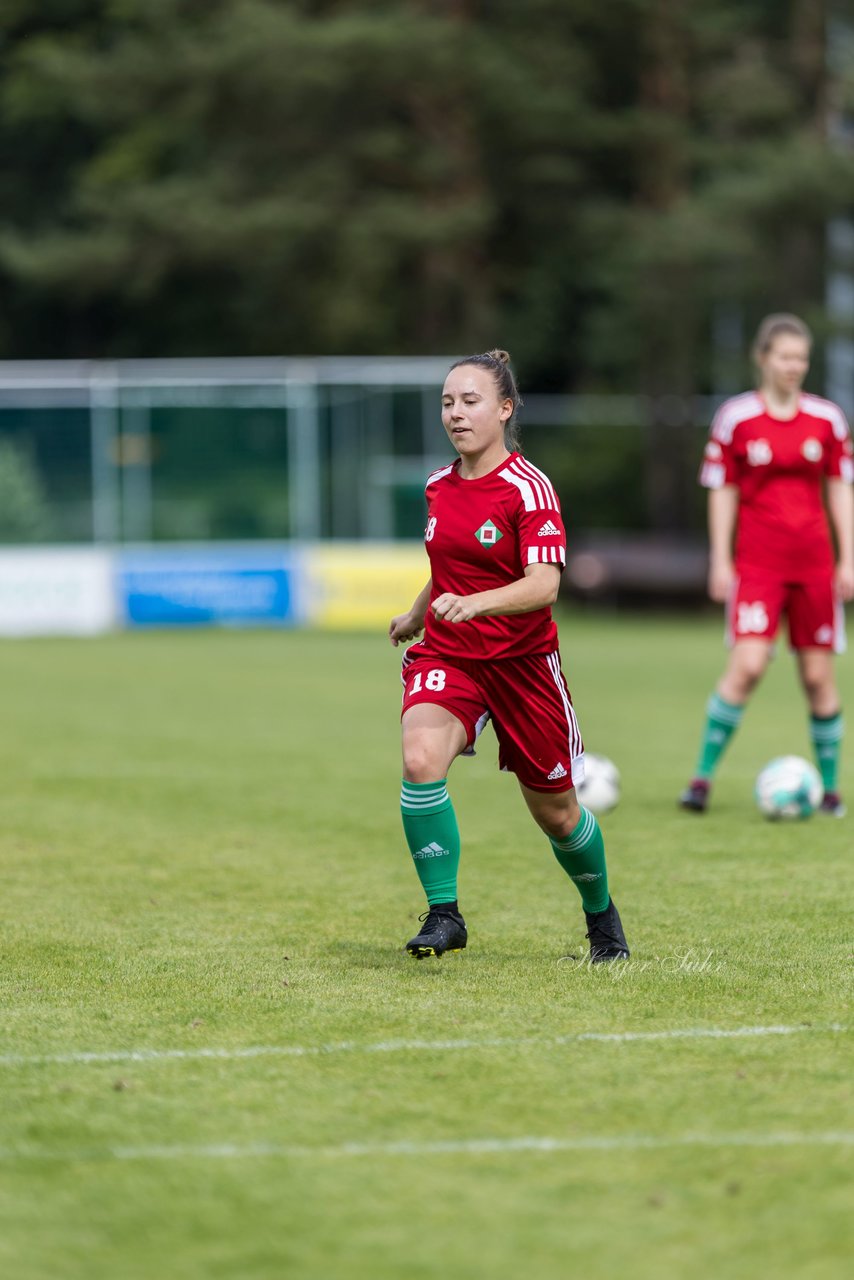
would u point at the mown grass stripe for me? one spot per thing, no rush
(462, 1146)
(419, 1046)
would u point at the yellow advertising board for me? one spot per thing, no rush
(362, 585)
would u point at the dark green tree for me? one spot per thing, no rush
(587, 184)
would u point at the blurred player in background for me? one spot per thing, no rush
(777, 464)
(497, 546)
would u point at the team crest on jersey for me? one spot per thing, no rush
(488, 534)
(759, 453)
(811, 449)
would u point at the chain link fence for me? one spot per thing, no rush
(201, 450)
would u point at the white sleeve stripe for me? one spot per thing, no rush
(550, 490)
(437, 475)
(546, 555)
(732, 412)
(532, 480)
(523, 487)
(528, 468)
(536, 479)
(535, 472)
(713, 475)
(820, 408)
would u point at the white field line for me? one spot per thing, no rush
(413, 1046)
(464, 1147)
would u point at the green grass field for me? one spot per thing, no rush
(216, 1060)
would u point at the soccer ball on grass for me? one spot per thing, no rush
(600, 790)
(788, 787)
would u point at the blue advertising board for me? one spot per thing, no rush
(209, 586)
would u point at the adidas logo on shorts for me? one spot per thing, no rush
(557, 772)
(549, 531)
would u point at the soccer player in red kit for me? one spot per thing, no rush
(777, 463)
(497, 546)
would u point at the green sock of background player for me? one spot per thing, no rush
(582, 856)
(431, 830)
(826, 734)
(722, 720)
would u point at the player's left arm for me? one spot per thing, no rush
(840, 506)
(536, 589)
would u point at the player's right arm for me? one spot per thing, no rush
(719, 474)
(840, 505)
(406, 626)
(723, 514)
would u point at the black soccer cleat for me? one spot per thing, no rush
(695, 796)
(833, 804)
(443, 930)
(605, 931)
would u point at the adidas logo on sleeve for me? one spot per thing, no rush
(549, 530)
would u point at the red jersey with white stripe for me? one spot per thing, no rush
(481, 534)
(778, 467)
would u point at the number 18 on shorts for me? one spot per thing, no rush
(527, 700)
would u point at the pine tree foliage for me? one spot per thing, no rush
(583, 183)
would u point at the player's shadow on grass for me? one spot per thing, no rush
(390, 959)
(367, 955)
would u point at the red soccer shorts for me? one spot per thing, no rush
(816, 618)
(526, 699)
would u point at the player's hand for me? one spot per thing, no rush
(451, 608)
(721, 577)
(404, 627)
(844, 582)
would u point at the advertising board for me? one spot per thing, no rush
(56, 591)
(249, 585)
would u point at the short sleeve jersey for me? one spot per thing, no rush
(481, 534)
(778, 467)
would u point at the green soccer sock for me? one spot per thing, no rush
(826, 733)
(431, 830)
(582, 856)
(722, 720)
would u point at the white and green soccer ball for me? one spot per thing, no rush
(788, 787)
(600, 790)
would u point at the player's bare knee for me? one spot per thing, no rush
(560, 819)
(747, 685)
(743, 681)
(421, 763)
(754, 671)
(821, 693)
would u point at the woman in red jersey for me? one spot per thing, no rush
(777, 463)
(496, 544)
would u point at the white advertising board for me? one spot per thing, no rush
(56, 591)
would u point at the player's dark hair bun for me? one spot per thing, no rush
(499, 356)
